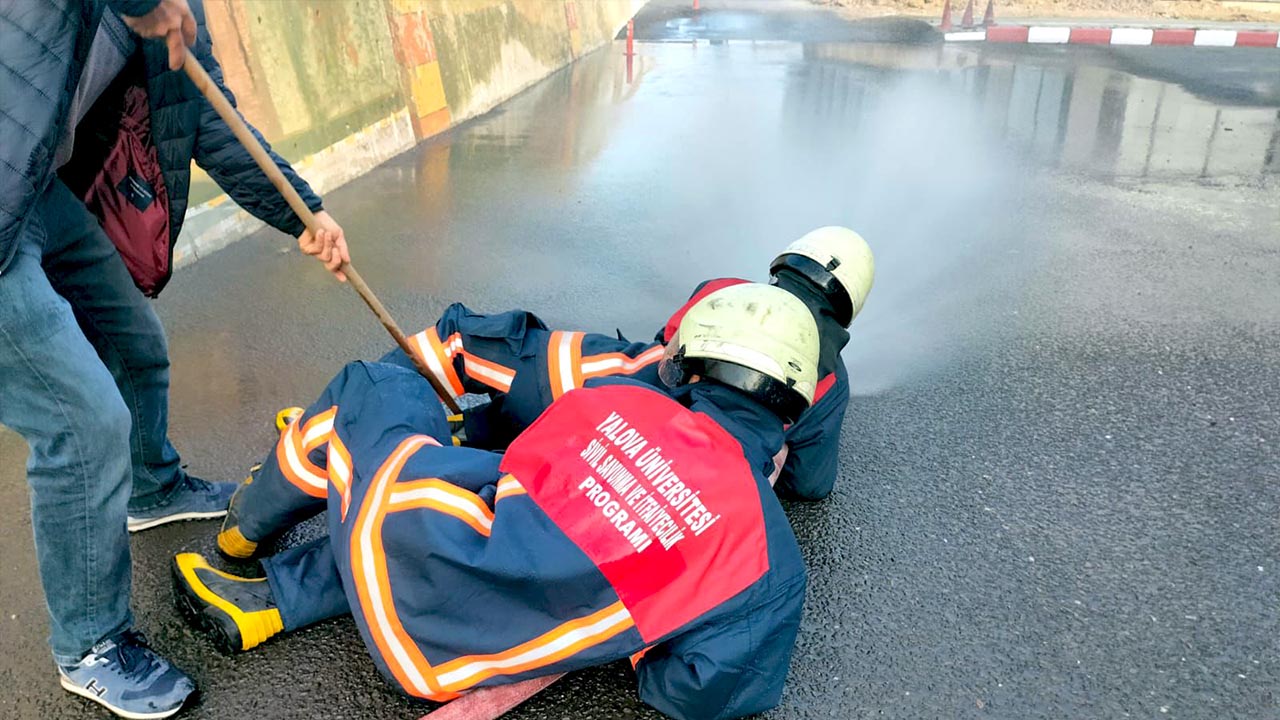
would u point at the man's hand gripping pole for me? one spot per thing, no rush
(229, 115)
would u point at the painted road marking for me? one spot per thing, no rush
(1090, 36)
(1007, 34)
(1131, 36)
(1049, 35)
(1215, 38)
(1257, 38)
(1173, 37)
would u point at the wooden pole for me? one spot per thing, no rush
(229, 115)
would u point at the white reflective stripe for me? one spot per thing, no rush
(370, 578)
(966, 36)
(433, 362)
(1215, 38)
(338, 468)
(1054, 35)
(452, 347)
(317, 431)
(625, 364)
(501, 378)
(598, 628)
(444, 498)
(600, 365)
(508, 485)
(422, 343)
(338, 465)
(296, 464)
(1132, 36)
(566, 362)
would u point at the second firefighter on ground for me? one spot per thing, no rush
(626, 522)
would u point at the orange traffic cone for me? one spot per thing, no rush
(989, 17)
(946, 17)
(967, 20)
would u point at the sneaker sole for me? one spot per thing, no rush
(140, 525)
(74, 689)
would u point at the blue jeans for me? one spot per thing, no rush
(84, 378)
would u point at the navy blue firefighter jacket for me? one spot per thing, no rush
(623, 523)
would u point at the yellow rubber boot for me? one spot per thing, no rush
(239, 613)
(286, 416)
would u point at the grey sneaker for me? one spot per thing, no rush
(193, 499)
(128, 678)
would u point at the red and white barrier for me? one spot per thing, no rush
(1066, 35)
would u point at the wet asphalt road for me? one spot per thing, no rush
(1060, 493)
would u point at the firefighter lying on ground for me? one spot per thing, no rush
(523, 366)
(625, 522)
(513, 357)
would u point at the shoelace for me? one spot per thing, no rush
(199, 485)
(133, 655)
(190, 483)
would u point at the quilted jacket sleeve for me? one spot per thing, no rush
(42, 45)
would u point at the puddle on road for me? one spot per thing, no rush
(1072, 112)
(712, 156)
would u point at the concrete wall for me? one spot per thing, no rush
(339, 86)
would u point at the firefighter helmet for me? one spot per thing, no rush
(757, 338)
(836, 260)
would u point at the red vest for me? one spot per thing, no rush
(660, 498)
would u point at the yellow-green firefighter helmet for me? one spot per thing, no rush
(838, 261)
(757, 338)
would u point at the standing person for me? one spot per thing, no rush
(625, 522)
(84, 369)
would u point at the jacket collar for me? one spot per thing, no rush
(832, 335)
(756, 428)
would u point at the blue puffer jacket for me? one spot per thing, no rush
(42, 55)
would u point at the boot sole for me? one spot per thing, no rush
(207, 618)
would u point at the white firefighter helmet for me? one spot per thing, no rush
(838, 261)
(758, 338)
